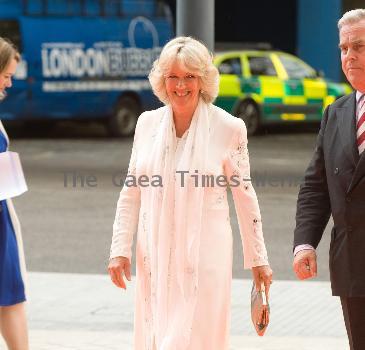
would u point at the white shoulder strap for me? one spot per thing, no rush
(2, 129)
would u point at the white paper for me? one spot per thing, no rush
(12, 182)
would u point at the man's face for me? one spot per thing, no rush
(352, 45)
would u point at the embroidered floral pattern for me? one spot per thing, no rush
(259, 250)
(220, 199)
(240, 161)
(144, 222)
(239, 166)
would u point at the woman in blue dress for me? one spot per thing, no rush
(13, 324)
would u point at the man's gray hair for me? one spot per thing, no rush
(351, 17)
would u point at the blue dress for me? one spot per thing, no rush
(11, 282)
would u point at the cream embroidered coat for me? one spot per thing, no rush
(228, 156)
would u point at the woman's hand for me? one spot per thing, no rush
(118, 267)
(262, 274)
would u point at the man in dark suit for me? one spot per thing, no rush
(334, 183)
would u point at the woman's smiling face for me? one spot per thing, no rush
(182, 87)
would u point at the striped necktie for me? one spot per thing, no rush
(360, 125)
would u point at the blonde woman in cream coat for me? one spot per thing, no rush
(184, 243)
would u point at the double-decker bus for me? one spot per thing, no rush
(84, 59)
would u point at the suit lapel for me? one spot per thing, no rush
(359, 172)
(347, 128)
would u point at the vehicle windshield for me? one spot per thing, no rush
(297, 69)
(230, 66)
(261, 65)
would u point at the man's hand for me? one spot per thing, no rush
(118, 267)
(305, 264)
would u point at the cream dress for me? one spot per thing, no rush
(228, 156)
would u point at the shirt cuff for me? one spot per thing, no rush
(301, 247)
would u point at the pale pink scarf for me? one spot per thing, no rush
(175, 225)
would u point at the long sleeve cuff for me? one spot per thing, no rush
(301, 247)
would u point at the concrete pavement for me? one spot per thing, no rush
(86, 312)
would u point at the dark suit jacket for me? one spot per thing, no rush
(334, 183)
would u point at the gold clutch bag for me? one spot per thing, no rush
(260, 310)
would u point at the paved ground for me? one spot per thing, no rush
(86, 312)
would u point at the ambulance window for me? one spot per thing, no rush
(296, 69)
(9, 29)
(261, 65)
(231, 66)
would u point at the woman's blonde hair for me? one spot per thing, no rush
(195, 57)
(7, 53)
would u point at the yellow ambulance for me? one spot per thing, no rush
(265, 87)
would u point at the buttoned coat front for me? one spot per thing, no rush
(334, 183)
